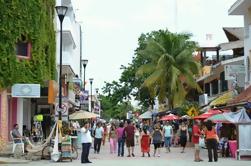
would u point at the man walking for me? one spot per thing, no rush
(168, 133)
(129, 133)
(86, 141)
(98, 136)
(196, 133)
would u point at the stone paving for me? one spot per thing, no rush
(174, 158)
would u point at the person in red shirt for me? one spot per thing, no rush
(196, 133)
(129, 134)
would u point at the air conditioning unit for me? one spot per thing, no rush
(203, 100)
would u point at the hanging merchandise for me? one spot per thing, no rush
(55, 155)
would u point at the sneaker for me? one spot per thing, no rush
(133, 155)
(158, 155)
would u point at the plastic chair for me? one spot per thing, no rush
(16, 143)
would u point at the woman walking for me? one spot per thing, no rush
(121, 139)
(145, 142)
(113, 139)
(157, 137)
(183, 136)
(211, 141)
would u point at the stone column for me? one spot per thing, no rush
(4, 131)
(20, 112)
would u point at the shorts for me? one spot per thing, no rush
(157, 145)
(196, 147)
(130, 142)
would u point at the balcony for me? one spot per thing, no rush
(68, 35)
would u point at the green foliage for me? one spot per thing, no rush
(170, 67)
(32, 19)
(113, 110)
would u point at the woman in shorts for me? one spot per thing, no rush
(157, 137)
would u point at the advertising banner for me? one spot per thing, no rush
(84, 100)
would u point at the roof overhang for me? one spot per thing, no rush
(66, 69)
(231, 45)
(240, 7)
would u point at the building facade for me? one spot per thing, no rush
(242, 8)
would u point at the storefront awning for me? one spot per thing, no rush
(231, 45)
(223, 99)
(243, 97)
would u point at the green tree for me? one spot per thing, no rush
(170, 66)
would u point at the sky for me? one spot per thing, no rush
(111, 28)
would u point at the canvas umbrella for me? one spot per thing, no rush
(146, 115)
(185, 117)
(218, 118)
(169, 117)
(208, 114)
(82, 115)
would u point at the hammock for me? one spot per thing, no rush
(38, 148)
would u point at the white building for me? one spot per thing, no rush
(72, 48)
(242, 7)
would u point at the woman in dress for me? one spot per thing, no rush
(113, 139)
(145, 142)
(183, 136)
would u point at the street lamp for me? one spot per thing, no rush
(91, 81)
(84, 61)
(61, 11)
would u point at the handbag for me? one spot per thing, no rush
(202, 142)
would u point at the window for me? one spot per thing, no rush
(23, 50)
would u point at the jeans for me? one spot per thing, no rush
(167, 142)
(97, 144)
(85, 152)
(121, 143)
(212, 146)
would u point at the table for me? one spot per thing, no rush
(232, 147)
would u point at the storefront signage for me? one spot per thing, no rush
(231, 71)
(26, 90)
(84, 100)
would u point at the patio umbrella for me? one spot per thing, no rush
(208, 114)
(218, 118)
(169, 117)
(185, 117)
(82, 115)
(146, 115)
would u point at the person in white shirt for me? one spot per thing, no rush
(98, 136)
(168, 133)
(86, 141)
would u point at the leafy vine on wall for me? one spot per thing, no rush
(32, 19)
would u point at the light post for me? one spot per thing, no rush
(84, 61)
(61, 11)
(91, 81)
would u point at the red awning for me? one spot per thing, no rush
(169, 117)
(208, 114)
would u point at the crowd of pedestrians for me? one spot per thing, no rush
(160, 135)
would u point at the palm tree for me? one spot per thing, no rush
(171, 67)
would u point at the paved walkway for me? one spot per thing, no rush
(175, 158)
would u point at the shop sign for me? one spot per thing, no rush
(84, 100)
(25, 90)
(231, 71)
